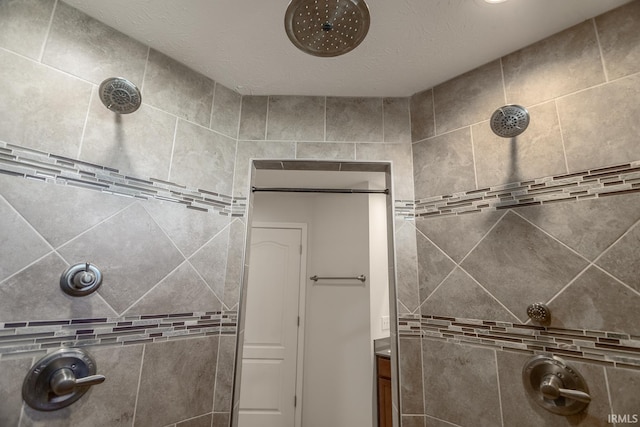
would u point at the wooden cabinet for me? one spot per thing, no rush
(383, 369)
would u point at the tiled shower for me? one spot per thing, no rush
(157, 199)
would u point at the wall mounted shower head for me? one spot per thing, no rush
(120, 95)
(509, 121)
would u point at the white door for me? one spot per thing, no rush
(270, 350)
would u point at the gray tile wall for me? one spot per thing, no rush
(579, 257)
(191, 134)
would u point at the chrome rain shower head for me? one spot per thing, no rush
(327, 27)
(509, 121)
(120, 95)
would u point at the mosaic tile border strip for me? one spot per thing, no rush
(589, 184)
(36, 337)
(612, 349)
(33, 164)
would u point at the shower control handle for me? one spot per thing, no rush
(64, 381)
(551, 388)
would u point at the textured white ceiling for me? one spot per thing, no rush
(411, 45)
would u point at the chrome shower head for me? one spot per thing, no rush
(327, 27)
(120, 95)
(509, 121)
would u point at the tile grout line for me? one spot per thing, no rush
(473, 156)
(433, 109)
(17, 212)
(382, 102)
(325, 120)
(616, 279)
(615, 242)
(266, 119)
(144, 71)
(86, 121)
(213, 104)
(504, 85)
(600, 51)
(564, 149)
(173, 148)
(135, 405)
(48, 32)
(606, 382)
(495, 356)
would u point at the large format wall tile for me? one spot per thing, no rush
(13, 372)
(188, 229)
(433, 266)
(69, 210)
(224, 373)
(422, 124)
(177, 381)
(20, 244)
(623, 258)
(460, 296)
(296, 118)
(402, 165)
(536, 152)
(412, 420)
(182, 291)
(406, 265)
(620, 40)
(411, 388)
(35, 294)
(172, 87)
(132, 252)
(456, 375)
(354, 119)
(221, 419)
(397, 122)
(23, 25)
(84, 47)
(469, 98)
(589, 226)
(325, 151)
(211, 260)
(444, 164)
(203, 158)
(32, 111)
(235, 263)
(519, 264)
(457, 235)
(558, 65)
(253, 119)
(248, 150)
(600, 125)
(137, 144)
(623, 386)
(110, 404)
(225, 116)
(597, 301)
(520, 410)
(203, 421)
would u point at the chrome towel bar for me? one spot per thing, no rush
(361, 277)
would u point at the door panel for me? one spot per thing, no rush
(268, 381)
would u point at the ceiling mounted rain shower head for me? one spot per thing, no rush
(120, 95)
(509, 121)
(327, 27)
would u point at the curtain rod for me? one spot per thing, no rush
(318, 190)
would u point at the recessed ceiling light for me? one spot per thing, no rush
(494, 1)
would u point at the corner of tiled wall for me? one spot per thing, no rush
(502, 223)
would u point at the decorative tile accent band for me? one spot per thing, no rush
(588, 184)
(33, 164)
(604, 348)
(35, 337)
(28, 163)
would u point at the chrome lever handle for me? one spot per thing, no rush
(64, 381)
(551, 388)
